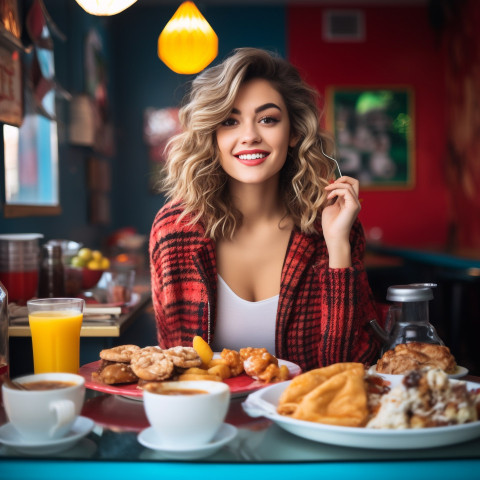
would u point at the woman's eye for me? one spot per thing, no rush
(228, 122)
(268, 120)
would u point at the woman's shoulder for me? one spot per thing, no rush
(171, 219)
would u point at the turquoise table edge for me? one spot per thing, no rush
(437, 259)
(74, 470)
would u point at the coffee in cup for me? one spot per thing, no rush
(186, 413)
(48, 407)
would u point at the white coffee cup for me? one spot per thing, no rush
(40, 415)
(186, 420)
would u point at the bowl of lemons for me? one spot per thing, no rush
(89, 265)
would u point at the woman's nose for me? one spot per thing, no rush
(250, 133)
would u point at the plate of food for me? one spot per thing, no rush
(124, 369)
(415, 356)
(329, 406)
(458, 372)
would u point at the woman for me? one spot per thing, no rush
(258, 244)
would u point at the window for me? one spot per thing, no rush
(31, 162)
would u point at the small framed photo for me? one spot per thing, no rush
(11, 85)
(374, 134)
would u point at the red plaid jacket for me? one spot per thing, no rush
(322, 315)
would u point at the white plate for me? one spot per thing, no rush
(149, 438)
(459, 372)
(10, 437)
(264, 403)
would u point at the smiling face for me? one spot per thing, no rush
(254, 140)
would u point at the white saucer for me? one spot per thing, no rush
(10, 437)
(459, 372)
(149, 438)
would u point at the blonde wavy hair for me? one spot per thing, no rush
(193, 174)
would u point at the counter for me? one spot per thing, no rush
(261, 449)
(134, 325)
(99, 325)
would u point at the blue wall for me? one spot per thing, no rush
(143, 80)
(138, 79)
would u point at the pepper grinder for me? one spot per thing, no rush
(52, 275)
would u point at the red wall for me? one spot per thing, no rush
(399, 49)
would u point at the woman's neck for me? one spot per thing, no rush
(257, 203)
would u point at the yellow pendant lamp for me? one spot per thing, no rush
(188, 43)
(105, 7)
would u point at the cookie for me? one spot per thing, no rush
(184, 357)
(121, 353)
(152, 364)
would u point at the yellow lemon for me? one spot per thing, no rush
(94, 265)
(97, 255)
(85, 254)
(203, 349)
(105, 263)
(78, 262)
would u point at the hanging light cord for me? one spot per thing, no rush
(333, 159)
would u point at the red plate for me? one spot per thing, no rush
(241, 385)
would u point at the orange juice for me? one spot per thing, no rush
(56, 340)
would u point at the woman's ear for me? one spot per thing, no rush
(293, 140)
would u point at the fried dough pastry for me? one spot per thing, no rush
(114, 372)
(415, 356)
(222, 370)
(262, 365)
(334, 395)
(233, 360)
(251, 351)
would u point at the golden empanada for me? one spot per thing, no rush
(334, 395)
(306, 382)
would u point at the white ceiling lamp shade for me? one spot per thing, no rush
(105, 7)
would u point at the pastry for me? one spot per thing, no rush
(114, 372)
(335, 395)
(415, 355)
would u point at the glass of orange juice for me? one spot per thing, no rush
(55, 325)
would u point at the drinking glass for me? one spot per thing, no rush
(55, 325)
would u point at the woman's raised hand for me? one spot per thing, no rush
(338, 217)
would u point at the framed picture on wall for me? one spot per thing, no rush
(11, 92)
(159, 125)
(374, 134)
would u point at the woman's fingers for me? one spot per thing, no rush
(342, 187)
(343, 182)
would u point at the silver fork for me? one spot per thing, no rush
(333, 159)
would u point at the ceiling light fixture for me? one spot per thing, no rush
(105, 7)
(188, 43)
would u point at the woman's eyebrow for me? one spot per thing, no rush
(259, 109)
(266, 106)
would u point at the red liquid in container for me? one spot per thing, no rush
(21, 286)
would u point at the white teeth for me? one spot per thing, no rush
(252, 156)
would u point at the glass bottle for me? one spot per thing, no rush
(3, 331)
(52, 275)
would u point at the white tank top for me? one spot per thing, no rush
(241, 323)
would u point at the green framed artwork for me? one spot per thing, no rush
(374, 134)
